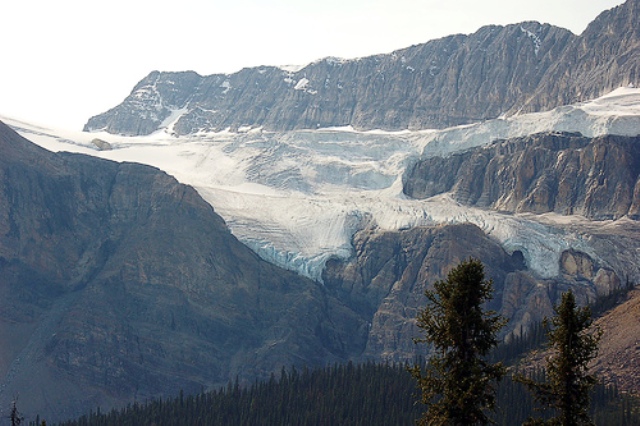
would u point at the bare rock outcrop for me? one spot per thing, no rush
(604, 57)
(618, 360)
(386, 279)
(550, 172)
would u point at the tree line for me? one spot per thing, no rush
(345, 394)
(465, 382)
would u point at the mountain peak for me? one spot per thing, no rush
(454, 80)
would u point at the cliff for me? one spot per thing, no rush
(455, 80)
(119, 283)
(548, 172)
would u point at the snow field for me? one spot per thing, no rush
(297, 198)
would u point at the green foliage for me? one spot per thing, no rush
(567, 387)
(366, 394)
(613, 299)
(458, 383)
(509, 352)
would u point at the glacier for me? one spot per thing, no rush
(297, 198)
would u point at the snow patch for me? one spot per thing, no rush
(168, 123)
(301, 84)
(226, 85)
(534, 37)
(291, 68)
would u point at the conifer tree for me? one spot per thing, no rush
(568, 384)
(15, 417)
(458, 382)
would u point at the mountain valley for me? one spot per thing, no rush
(220, 228)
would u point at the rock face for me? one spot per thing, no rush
(454, 80)
(386, 279)
(604, 57)
(552, 172)
(118, 283)
(618, 358)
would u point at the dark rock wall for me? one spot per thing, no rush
(117, 282)
(386, 279)
(550, 172)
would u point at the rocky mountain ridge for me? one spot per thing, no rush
(389, 272)
(605, 56)
(618, 360)
(450, 81)
(119, 283)
(569, 174)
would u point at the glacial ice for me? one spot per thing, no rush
(297, 198)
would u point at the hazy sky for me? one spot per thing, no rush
(66, 60)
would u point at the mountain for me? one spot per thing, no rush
(455, 80)
(118, 283)
(336, 206)
(334, 182)
(618, 358)
(565, 173)
(387, 277)
(121, 284)
(604, 57)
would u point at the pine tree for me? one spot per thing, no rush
(458, 383)
(568, 384)
(15, 417)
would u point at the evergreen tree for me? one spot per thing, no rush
(369, 394)
(458, 383)
(15, 416)
(568, 384)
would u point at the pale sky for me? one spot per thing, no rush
(66, 60)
